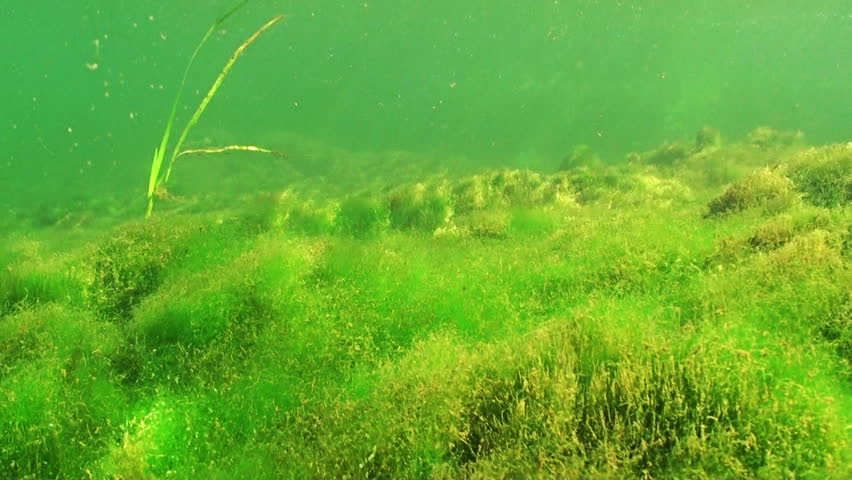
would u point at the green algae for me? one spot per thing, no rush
(493, 324)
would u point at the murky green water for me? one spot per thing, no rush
(508, 239)
(88, 84)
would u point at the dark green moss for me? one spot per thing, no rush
(765, 187)
(418, 207)
(361, 216)
(61, 401)
(128, 264)
(824, 175)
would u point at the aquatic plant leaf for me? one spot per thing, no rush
(215, 88)
(160, 153)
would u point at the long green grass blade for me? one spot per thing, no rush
(156, 163)
(160, 152)
(214, 88)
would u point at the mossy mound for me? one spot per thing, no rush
(773, 234)
(580, 156)
(823, 174)
(512, 188)
(421, 206)
(300, 215)
(707, 140)
(794, 280)
(816, 250)
(128, 264)
(430, 206)
(197, 311)
(766, 188)
(667, 155)
(61, 398)
(650, 187)
(768, 138)
(363, 215)
(485, 224)
(30, 276)
(571, 403)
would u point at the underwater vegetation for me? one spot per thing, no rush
(156, 181)
(685, 313)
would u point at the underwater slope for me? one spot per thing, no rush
(682, 314)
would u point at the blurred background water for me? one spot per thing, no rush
(87, 84)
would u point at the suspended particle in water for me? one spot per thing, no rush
(95, 63)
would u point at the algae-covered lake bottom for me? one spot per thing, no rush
(683, 313)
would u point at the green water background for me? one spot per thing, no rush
(500, 81)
